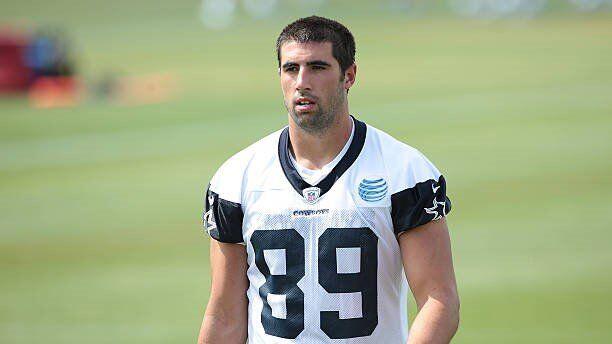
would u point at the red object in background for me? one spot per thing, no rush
(15, 76)
(56, 91)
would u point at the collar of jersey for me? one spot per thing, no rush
(347, 160)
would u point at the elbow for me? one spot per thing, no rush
(444, 302)
(453, 306)
(448, 300)
(457, 315)
(221, 327)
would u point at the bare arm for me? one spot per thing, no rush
(426, 253)
(225, 320)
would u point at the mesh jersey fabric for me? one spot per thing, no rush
(324, 264)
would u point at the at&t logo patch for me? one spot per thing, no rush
(373, 189)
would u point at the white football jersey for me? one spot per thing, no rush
(324, 263)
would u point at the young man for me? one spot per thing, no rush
(318, 226)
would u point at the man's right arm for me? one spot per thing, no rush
(225, 320)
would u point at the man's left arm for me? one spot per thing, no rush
(428, 264)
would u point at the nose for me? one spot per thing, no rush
(302, 82)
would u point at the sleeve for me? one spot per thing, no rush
(223, 212)
(222, 218)
(419, 196)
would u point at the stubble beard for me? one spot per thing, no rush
(318, 122)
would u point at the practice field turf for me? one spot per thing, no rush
(100, 238)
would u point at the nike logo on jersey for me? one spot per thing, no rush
(434, 188)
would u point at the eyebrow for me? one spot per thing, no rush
(309, 63)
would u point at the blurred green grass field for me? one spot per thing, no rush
(100, 238)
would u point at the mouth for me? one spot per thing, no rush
(304, 104)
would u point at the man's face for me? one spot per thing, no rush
(313, 86)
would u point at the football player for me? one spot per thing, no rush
(320, 227)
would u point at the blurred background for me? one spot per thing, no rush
(115, 114)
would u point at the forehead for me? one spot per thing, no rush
(303, 52)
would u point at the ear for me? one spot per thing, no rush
(349, 76)
(279, 71)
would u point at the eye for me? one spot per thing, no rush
(291, 69)
(318, 67)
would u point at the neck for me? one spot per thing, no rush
(314, 150)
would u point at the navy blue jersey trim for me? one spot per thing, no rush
(420, 204)
(294, 178)
(223, 219)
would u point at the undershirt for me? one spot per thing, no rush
(313, 177)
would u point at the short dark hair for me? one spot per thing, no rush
(319, 29)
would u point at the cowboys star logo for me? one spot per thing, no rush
(437, 209)
(209, 218)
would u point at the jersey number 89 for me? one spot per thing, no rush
(363, 281)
